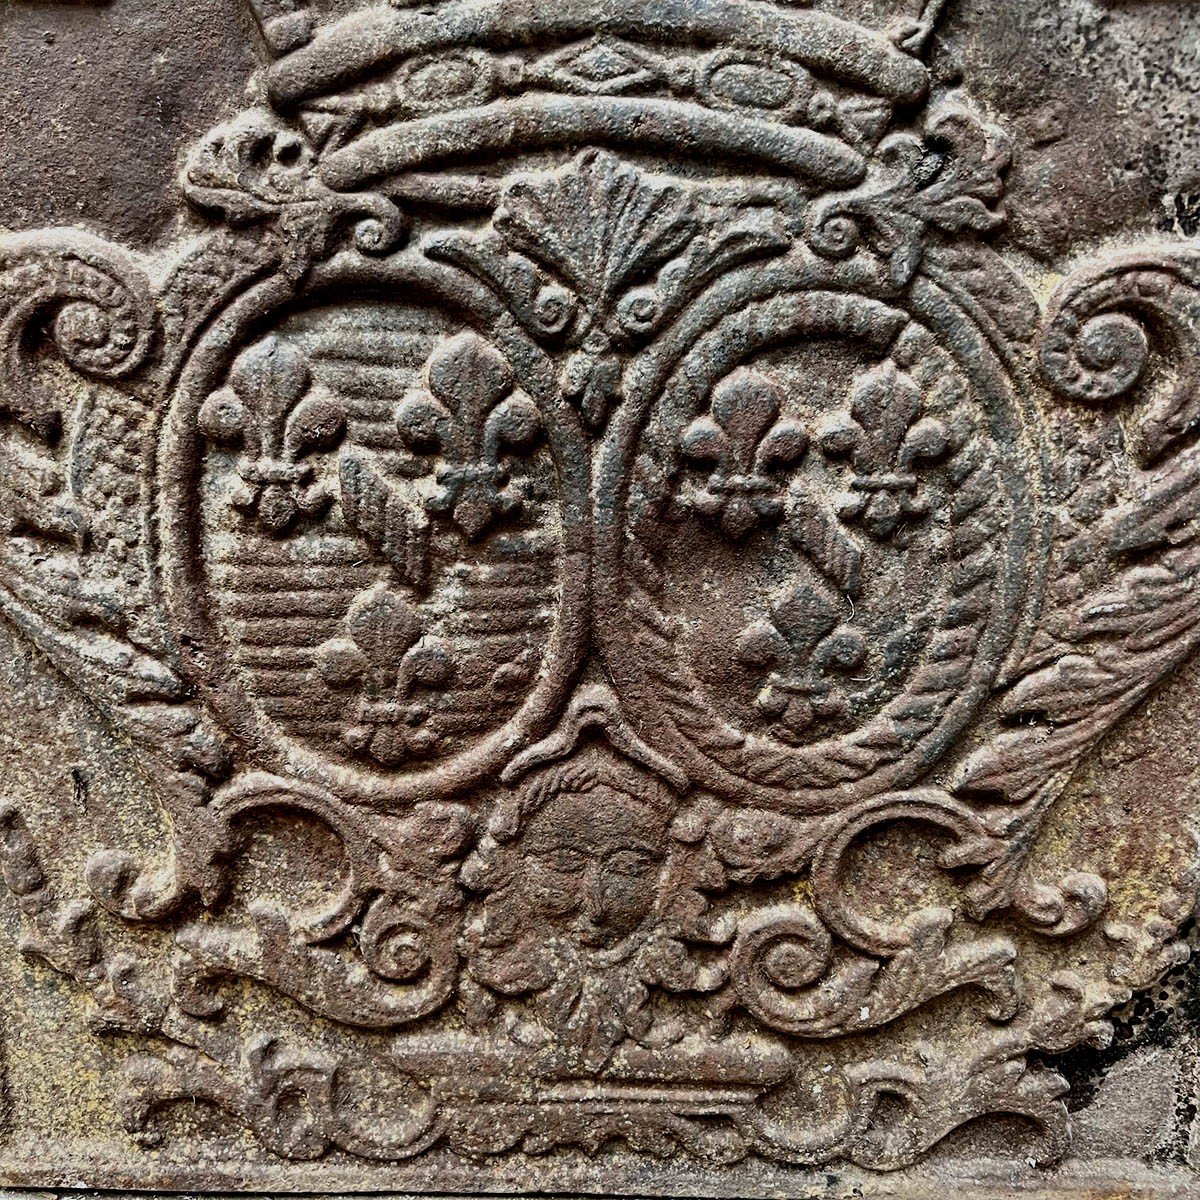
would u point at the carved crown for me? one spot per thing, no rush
(741, 79)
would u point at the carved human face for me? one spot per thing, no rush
(591, 863)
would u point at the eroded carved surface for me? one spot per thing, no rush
(595, 506)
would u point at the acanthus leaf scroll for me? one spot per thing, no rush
(645, 581)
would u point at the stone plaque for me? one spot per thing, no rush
(595, 603)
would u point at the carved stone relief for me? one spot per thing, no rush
(621, 596)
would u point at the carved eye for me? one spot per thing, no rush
(630, 862)
(750, 86)
(564, 861)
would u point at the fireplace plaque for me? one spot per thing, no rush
(594, 612)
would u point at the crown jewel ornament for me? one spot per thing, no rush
(591, 464)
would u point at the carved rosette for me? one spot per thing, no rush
(642, 576)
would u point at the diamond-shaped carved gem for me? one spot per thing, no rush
(602, 67)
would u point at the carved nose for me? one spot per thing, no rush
(594, 902)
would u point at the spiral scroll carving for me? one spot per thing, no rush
(87, 297)
(1131, 329)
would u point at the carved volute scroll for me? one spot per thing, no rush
(593, 478)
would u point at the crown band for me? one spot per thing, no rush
(380, 38)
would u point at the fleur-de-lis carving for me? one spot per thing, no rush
(748, 447)
(272, 409)
(885, 437)
(469, 413)
(809, 651)
(386, 655)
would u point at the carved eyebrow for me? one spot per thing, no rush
(635, 848)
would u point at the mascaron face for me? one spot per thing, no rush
(590, 865)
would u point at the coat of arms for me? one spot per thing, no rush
(590, 513)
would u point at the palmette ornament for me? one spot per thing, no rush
(593, 474)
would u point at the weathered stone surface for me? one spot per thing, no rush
(600, 597)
